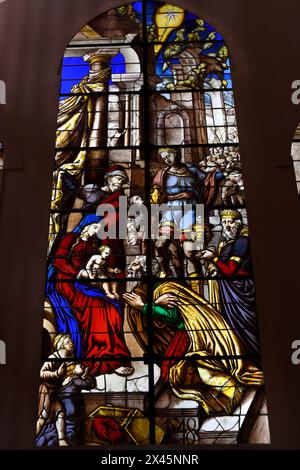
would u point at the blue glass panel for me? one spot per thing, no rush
(118, 64)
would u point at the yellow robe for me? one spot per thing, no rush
(75, 120)
(210, 373)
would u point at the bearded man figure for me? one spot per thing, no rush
(94, 196)
(232, 262)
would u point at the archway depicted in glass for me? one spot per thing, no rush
(150, 333)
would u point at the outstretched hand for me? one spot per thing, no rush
(134, 300)
(167, 300)
(207, 254)
(62, 370)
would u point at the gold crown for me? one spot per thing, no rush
(168, 149)
(230, 214)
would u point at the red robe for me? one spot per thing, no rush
(100, 321)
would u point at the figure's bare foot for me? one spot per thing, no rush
(110, 295)
(63, 442)
(124, 371)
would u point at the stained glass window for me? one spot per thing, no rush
(296, 156)
(150, 331)
(1, 156)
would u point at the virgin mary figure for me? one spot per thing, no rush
(93, 320)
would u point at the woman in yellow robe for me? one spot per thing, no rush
(213, 371)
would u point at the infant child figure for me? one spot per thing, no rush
(97, 268)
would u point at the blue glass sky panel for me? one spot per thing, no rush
(189, 23)
(137, 6)
(74, 69)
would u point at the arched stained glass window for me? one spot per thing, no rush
(150, 332)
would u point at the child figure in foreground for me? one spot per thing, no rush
(97, 268)
(77, 379)
(67, 426)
